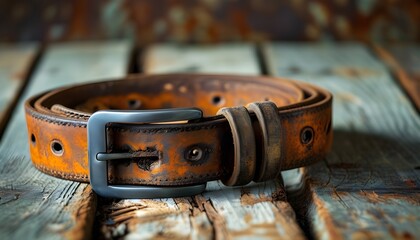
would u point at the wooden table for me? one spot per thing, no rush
(368, 187)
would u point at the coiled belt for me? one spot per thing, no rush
(167, 135)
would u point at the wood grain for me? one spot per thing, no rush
(223, 58)
(256, 211)
(34, 205)
(368, 187)
(16, 61)
(404, 62)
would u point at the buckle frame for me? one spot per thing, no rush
(98, 157)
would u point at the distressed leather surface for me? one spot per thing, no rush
(159, 150)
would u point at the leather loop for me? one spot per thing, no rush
(269, 156)
(244, 146)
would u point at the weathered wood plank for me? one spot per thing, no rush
(34, 205)
(404, 62)
(224, 58)
(15, 64)
(368, 187)
(256, 211)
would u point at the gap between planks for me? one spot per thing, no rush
(17, 62)
(404, 63)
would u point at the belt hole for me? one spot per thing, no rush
(168, 86)
(197, 153)
(57, 148)
(33, 138)
(134, 103)
(194, 154)
(183, 89)
(217, 100)
(307, 135)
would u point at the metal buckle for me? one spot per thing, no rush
(98, 156)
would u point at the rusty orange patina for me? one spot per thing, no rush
(160, 152)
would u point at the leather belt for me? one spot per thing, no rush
(167, 135)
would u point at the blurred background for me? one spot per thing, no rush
(368, 188)
(210, 21)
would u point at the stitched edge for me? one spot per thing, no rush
(288, 115)
(180, 180)
(47, 119)
(170, 182)
(140, 129)
(67, 176)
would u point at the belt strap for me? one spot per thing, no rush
(286, 124)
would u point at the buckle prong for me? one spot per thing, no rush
(112, 156)
(98, 157)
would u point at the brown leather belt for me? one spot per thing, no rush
(215, 127)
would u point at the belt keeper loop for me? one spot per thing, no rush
(269, 161)
(244, 145)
